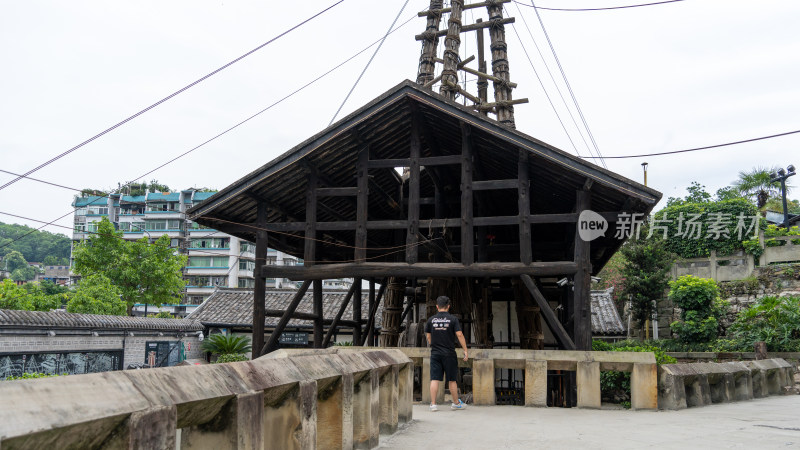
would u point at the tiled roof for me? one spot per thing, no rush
(605, 317)
(61, 319)
(91, 200)
(234, 307)
(164, 197)
(203, 195)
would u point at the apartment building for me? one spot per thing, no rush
(215, 259)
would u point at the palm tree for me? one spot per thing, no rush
(224, 345)
(756, 185)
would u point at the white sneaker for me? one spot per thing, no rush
(434, 408)
(460, 405)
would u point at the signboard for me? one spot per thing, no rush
(293, 338)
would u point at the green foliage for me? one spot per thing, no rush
(141, 188)
(701, 308)
(32, 244)
(612, 277)
(344, 344)
(697, 194)
(744, 286)
(97, 295)
(161, 315)
(774, 320)
(634, 346)
(690, 243)
(143, 272)
(727, 193)
(28, 376)
(231, 357)
(617, 385)
(757, 185)
(776, 231)
(646, 274)
(51, 260)
(29, 297)
(753, 247)
(222, 344)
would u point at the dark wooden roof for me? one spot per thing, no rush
(63, 320)
(385, 125)
(233, 307)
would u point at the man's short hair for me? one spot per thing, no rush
(442, 301)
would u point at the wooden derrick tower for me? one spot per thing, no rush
(452, 64)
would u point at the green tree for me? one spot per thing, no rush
(33, 244)
(701, 308)
(755, 184)
(221, 344)
(28, 297)
(646, 275)
(696, 194)
(15, 261)
(143, 272)
(97, 295)
(161, 315)
(52, 260)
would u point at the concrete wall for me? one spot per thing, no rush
(303, 399)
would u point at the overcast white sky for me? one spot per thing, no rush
(649, 79)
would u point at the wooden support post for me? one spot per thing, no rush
(310, 253)
(427, 66)
(371, 303)
(467, 239)
(502, 90)
(357, 309)
(339, 314)
(582, 281)
(547, 313)
(524, 188)
(482, 83)
(362, 202)
(259, 287)
(272, 343)
(318, 327)
(372, 311)
(449, 85)
(412, 250)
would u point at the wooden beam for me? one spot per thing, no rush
(373, 309)
(438, 12)
(421, 270)
(582, 282)
(272, 344)
(310, 236)
(412, 232)
(332, 328)
(445, 160)
(318, 327)
(388, 163)
(467, 236)
(476, 26)
(370, 305)
(362, 204)
(547, 313)
(524, 207)
(480, 74)
(337, 191)
(357, 309)
(259, 287)
(501, 104)
(489, 185)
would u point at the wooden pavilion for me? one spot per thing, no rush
(423, 196)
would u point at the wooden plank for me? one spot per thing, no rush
(332, 328)
(488, 185)
(372, 311)
(362, 204)
(482, 75)
(412, 231)
(357, 309)
(318, 327)
(547, 313)
(430, 161)
(337, 191)
(582, 282)
(370, 305)
(272, 344)
(310, 236)
(438, 12)
(388, 163)
(260, 285)
(524, 207)
(495, 221)
(421, 270)
(467, 235)
(472, 27)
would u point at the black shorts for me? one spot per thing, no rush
(441, 365)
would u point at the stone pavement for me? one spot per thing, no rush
(772, 422)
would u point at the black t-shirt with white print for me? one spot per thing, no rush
(443, 327)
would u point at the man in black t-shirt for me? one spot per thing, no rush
(441, 331)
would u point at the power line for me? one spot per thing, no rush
(42, 181)
(525, 50)
(569, 88)
(229, 129)
(369, 62)
(179, 91)
(598, 9)
(703, 148)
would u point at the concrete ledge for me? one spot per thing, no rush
(700, 384)
(276, 399)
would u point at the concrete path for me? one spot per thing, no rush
(772, 422)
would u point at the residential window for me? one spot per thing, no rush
(174, 224)
(125, 226)
(246, 265)
(211, 243)
(80, 212)
(91, 227)
(247, 283)
(245, 246)
(206, 281)
(80, 227)
(137, 226)
(209, 261)
(155, 225)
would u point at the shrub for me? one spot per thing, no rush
(231, 357)
(26, 376)
(221, 344)
(774, 320)
(618, 384)
(701, 308)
